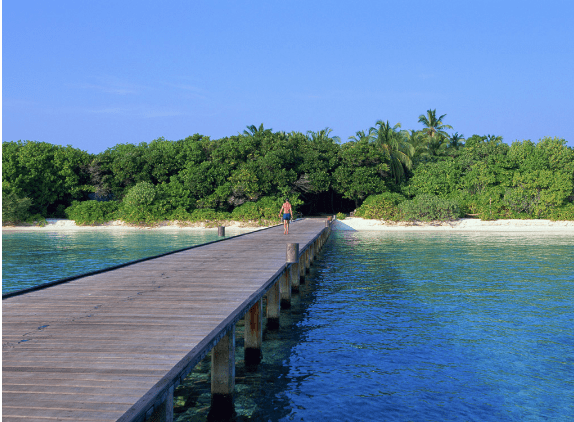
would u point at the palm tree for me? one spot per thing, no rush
(433, 125)
(455, 141)
(493, 138)
(394, 143)
(252, 130)
(418, 142)
(322, 135)
(361, 135)
(436, 145)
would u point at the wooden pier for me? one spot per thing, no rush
(113, 346)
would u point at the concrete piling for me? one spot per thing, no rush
(273, 306)
(223, 377)
(285, 289)
(253, 334)
(293, 259)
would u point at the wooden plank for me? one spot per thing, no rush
(106, 346)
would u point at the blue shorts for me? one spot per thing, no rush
(287, 216)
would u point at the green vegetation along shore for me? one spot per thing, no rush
(383, 173)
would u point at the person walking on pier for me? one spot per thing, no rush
(287, 211)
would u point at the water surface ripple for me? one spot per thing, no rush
(395, 327)
(418, 327)
(32, 258)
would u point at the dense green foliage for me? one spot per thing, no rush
(494, 180)
(14, 209)
(92, 212)
(381, 207)
(384, 173)
(429, 208)
(50, 176)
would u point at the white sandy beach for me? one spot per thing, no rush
(57, 224)
(464, 224)
(352, 223)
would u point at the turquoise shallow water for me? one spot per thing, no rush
(31, 258)
(405, 327)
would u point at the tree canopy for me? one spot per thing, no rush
(241, 175)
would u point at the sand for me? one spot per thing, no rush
(353, 224)
(463, 224)
(57, 224)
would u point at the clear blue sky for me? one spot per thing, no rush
(98, 73)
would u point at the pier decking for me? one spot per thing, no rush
(113, 346)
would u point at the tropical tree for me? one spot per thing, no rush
(362, 171)
(456, 141)
(418, 141)
(322, 136)
(252, 130)
(51, 176)
(433, 125)
(393, 142)
(361, 135)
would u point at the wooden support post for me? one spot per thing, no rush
(164, 412)
(223, 377)
(253, 334)
(273, 307)
(293, 259)
(308, 259)
(285, 288)
(221, 231)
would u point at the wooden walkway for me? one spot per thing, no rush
(114, 345)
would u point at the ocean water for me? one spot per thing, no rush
(393, 327)
(416, 327)
(31, 258)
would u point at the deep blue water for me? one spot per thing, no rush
(417, 327)
(408, 327)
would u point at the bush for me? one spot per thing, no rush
(136, 205)
(209, 215)
(429, 208)
(180, 214)
(247, 211)
(267, 209)
(564, 213)
(341, 216)
(14, 208)
(92, 212)
(381, 207)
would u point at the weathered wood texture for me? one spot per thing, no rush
(110, 346)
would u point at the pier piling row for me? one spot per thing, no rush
(114, 346)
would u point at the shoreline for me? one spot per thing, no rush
(461, 225)
(348, 224)
(61, 224)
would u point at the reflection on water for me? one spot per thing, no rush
(416, 326)
(33, 258)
